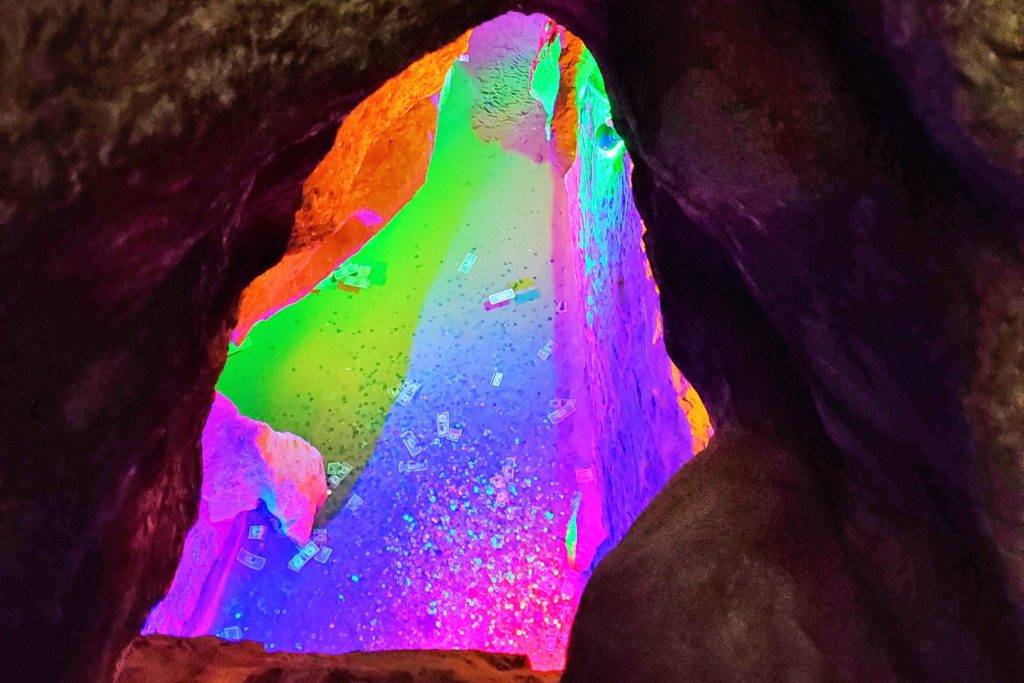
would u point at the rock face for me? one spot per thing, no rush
(378, 161)
(245, 462)
(835, 229)
(803, 202)
(173, 660)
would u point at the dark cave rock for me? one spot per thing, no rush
(182, 660)
(853, 321)
(798, 166)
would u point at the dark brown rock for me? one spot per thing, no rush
(152, 156)
(736, 571)
(799, 208)
(832, 202)
(160, 659)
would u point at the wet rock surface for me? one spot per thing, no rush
(851, 309)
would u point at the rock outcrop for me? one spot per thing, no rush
(803, 201)
(834, 224)
(175, 660)
(245, 462)
(378, 161)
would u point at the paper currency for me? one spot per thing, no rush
(303, 556)
(251, 561)
(409, 439)
(319, 536)
(407, 393)
(467, 262)
(501, 297)
(405, 467)
(501, 497)
(488, 306)
(231, 633)
(356, 281)
(323, 554)
(496, 379)
(545, 351)
(567, 409)
(442, 424)
(342, 469)
(257, 532)
(522, 284)
(454, 434)
(334, 481)
(354, 502)
(584, 475)
(528, 295)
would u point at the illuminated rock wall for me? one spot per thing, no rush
(643, 436)
(379, 159)
(245, 464)
(832, 194)
(484, 542)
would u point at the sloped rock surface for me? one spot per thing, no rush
(245, 462)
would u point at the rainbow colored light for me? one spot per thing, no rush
(484, 541)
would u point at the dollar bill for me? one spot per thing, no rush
(501, 297)
(257, 532)
(559, 414)
(407, 393)
(409, 439)
(584, 475)
(442, 424)
(496, 379)
(467, 262)
(323, 554)
(405, 467)
(230, 633)
(545, 351)
(355, 502)
(303, 556)
(251, 561)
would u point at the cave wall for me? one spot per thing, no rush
(851, 249)
(832, 198)
(152, 162)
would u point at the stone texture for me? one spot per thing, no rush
(962, 65)
(159, 659)
(833, 224)
(743, 528)
(245, 462)
(152, 161)
(797, 205)
(378, 161)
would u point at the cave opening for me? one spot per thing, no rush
(451, 397)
